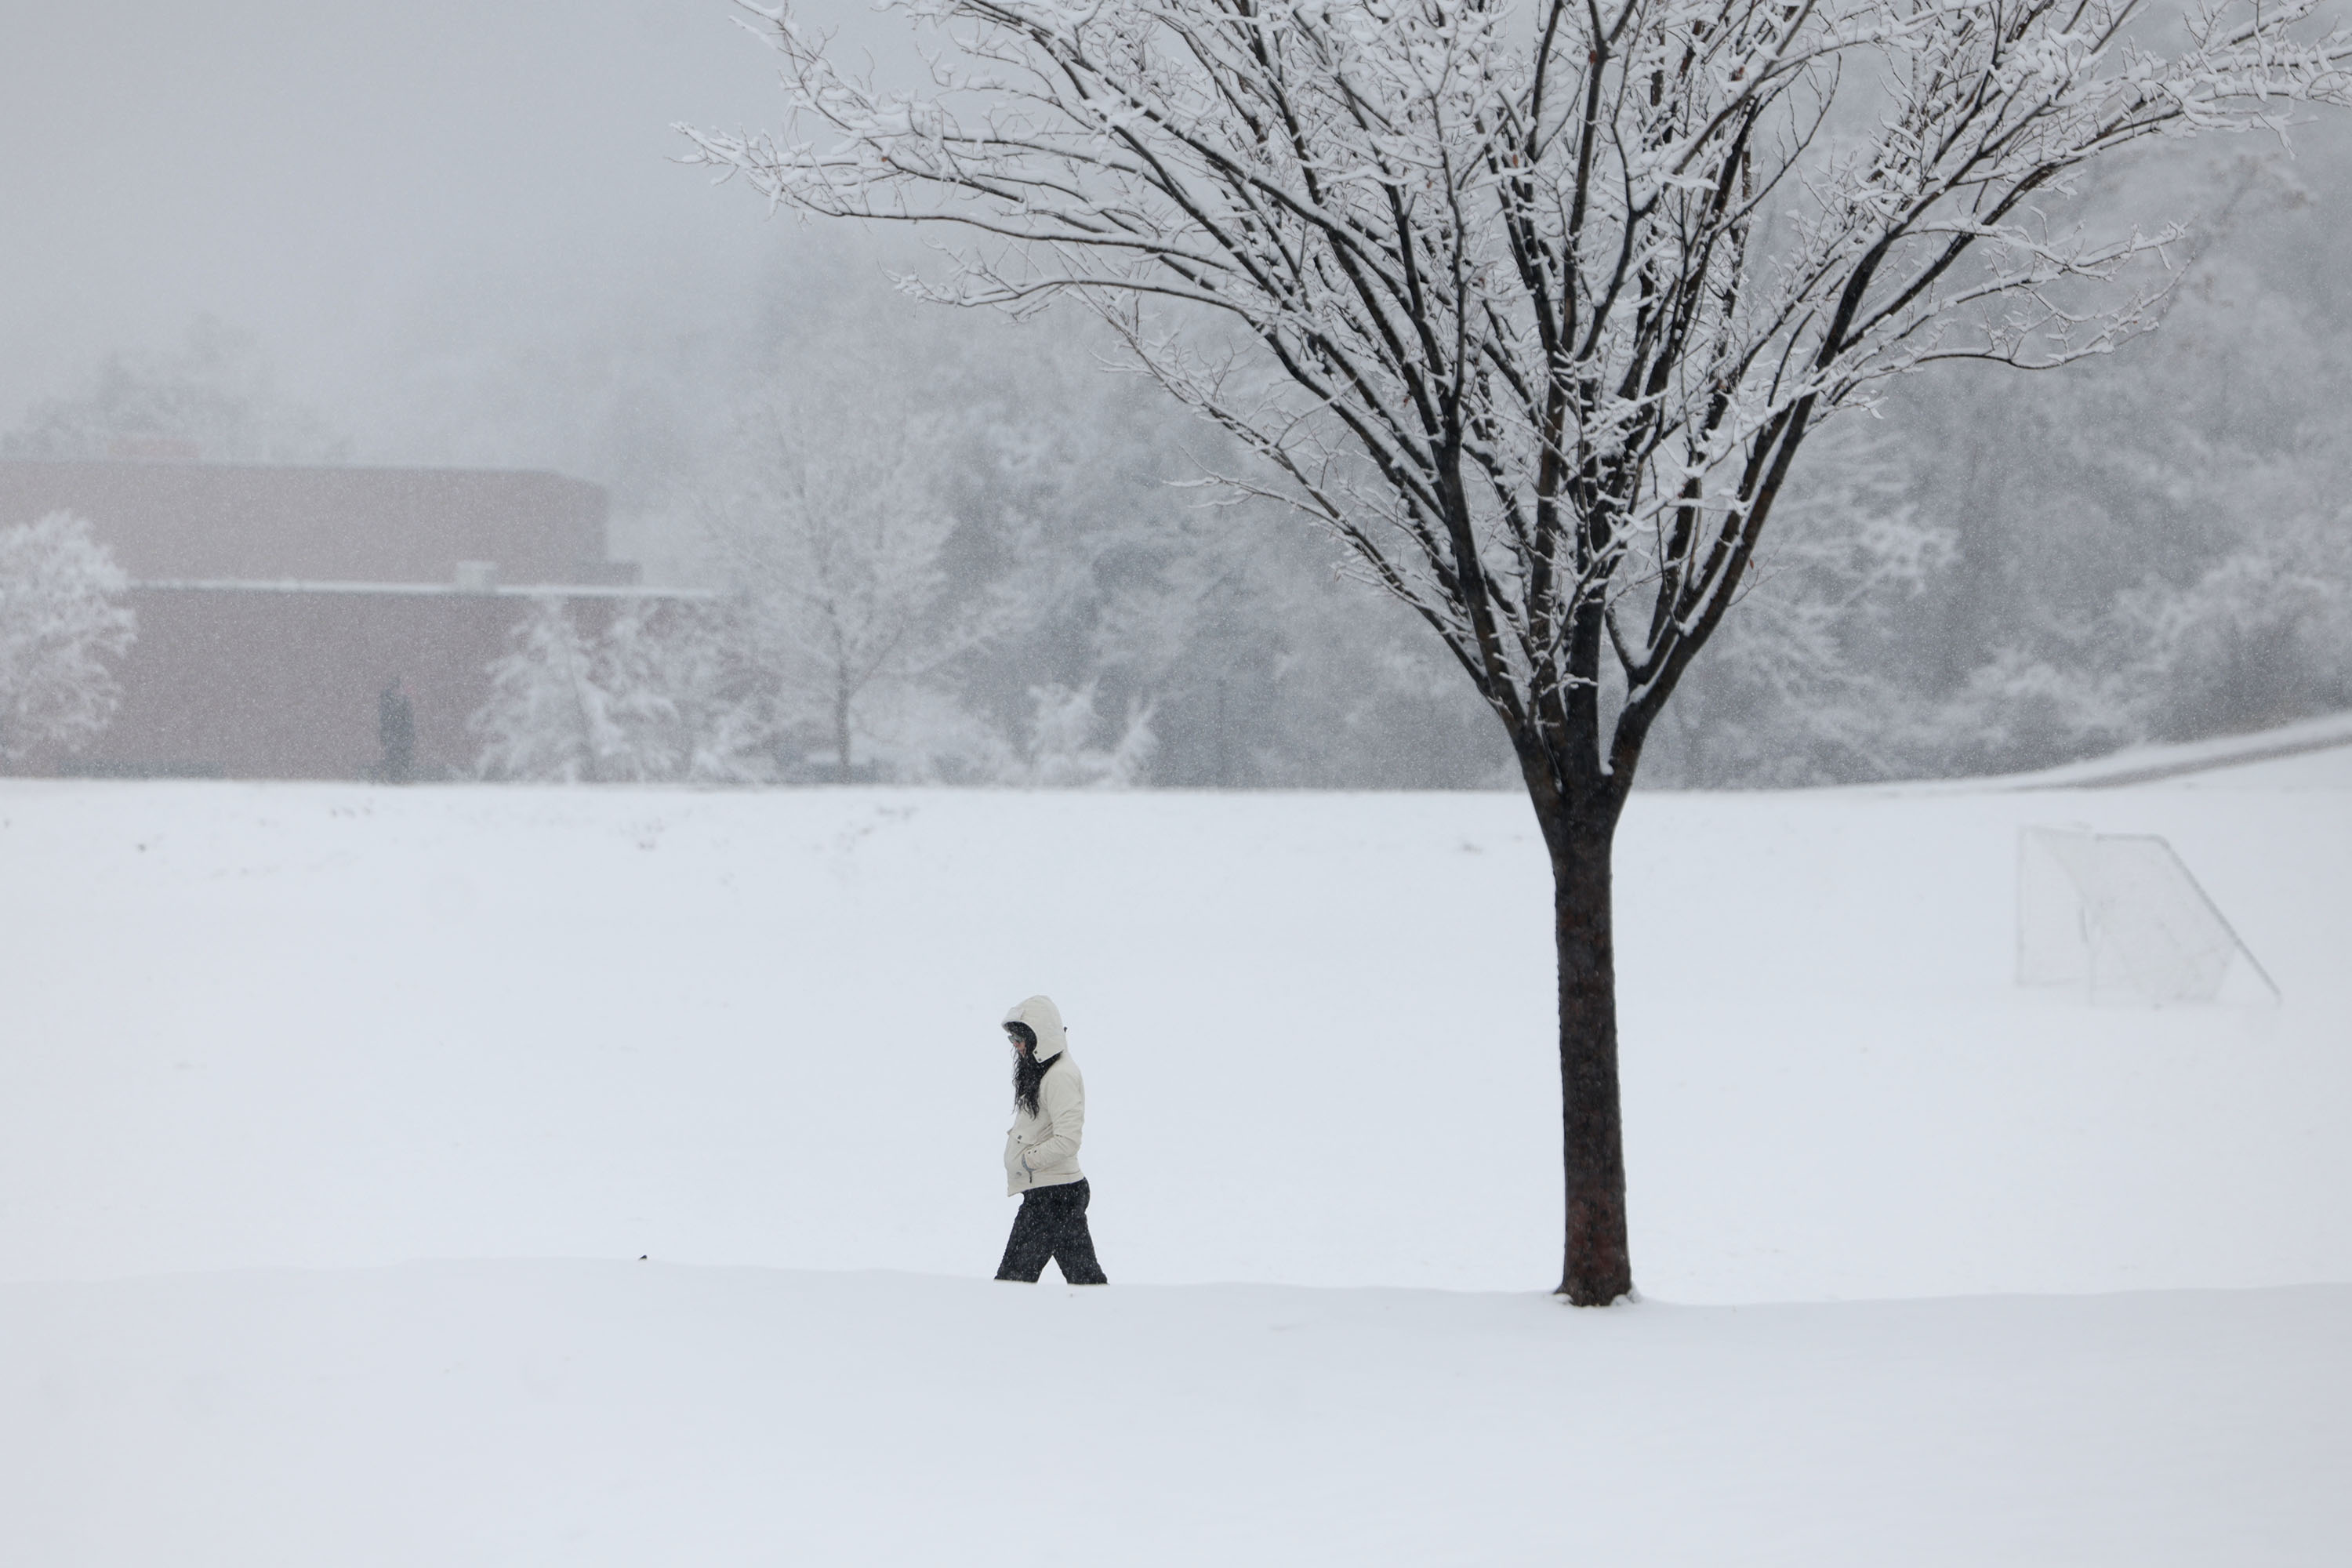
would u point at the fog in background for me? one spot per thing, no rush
(447, 234)
(455, 232)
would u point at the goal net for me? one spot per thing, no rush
(2118, 915)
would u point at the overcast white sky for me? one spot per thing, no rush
(436, 183)
(456, 224)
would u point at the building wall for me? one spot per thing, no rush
(276, 603)
(261, 683)
(219, 520)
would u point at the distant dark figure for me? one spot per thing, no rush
(395, 726)
(1041, 1151)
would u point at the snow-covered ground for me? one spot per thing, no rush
(2312, 753)
(491, 1416)
(325, 1026)
(270, 1046)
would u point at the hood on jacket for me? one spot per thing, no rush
(1045, 1021)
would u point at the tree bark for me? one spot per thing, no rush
(1596, 1268)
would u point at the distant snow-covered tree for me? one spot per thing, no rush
(831, 529)
(211, 398)
(676, 697)
(61, 619)
(1795, 689)
(648, 700)
(2263, 637)
(548, 719)
(2141, 546)
(1077, 534)
(1062, 751)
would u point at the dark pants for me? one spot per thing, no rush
(1052, 1224)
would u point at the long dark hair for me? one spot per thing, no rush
(1028, 1072)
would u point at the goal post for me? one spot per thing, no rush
(2118, 915)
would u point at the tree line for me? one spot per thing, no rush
(1999, 572)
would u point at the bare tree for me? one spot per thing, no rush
(1536, 305)
(832, 532)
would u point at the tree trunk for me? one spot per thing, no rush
(1598, 1267)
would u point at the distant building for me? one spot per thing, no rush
(277, 606)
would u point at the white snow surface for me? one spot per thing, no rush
(333, 1121)
(609, 1413)
(2309, 753)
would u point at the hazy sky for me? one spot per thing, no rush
(388, 194)
(458, 226)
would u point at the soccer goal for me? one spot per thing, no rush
(2119, 916)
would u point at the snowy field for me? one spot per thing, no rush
(335, 1121)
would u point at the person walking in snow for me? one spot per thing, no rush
(1041, 1151)
(396, 727)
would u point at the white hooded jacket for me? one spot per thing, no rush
(1042, 1151)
